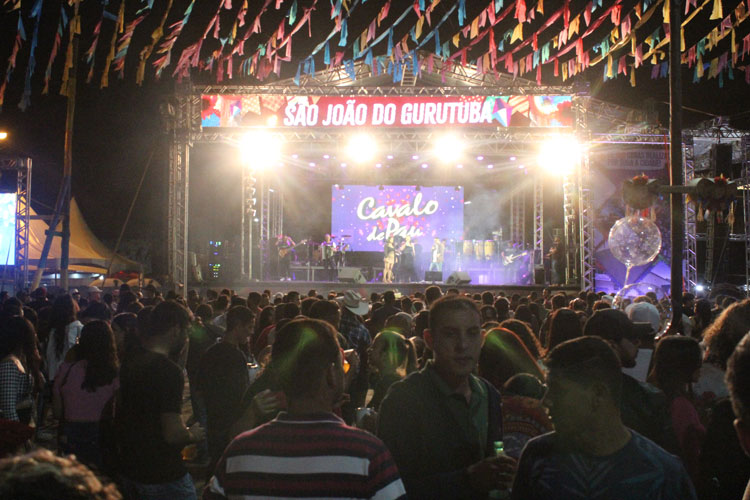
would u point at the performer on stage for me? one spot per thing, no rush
(406, 262)
(438, 255)
(285, 245)
(328, 251)
(389, 258)
(557, 261)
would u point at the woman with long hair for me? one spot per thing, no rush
(64, 332)
(391, 357)
(19, 369)
(504, 355)
(676, 365)
(82, 390)
(523, 331)
(719, 339)
(389, 259)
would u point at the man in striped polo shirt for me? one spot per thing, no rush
(307, 451)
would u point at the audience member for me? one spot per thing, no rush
(40, 475)
(676, 365)
(287, 457)
(591, 453)
(223, 378)
(391, 358)
(82, 390)
(150, 429)
(644, 407)
(464, 414)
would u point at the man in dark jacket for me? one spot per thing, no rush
(441, 423)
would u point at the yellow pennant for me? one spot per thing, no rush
(682, 39)
(610, 67)
(474, 28)
(665, 11)
(632, 78)
(517, 33)
(540, 7)
(457, 39)
(717, 12)
(418, 29)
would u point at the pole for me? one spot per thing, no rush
(675, 160)
(68, 159)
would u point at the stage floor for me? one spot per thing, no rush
(365, 289)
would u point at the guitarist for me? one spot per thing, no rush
(284, 246)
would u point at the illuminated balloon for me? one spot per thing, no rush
(635, 240)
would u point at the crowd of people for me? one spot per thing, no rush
(441, 394)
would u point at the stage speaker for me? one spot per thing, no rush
(721, 160)
(458, 278)
(539, 276)
(8, 180)
(433, 276)
(351, 275)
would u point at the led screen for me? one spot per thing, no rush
(370, 214)
(8, 229)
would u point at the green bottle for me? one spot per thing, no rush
(500, 494)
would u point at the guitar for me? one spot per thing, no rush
(285, 249)
(511, 258)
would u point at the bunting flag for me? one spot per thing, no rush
(61, 24)
(156, 36)
(36, 14)
(17, 42)
(92, 48)
(111, 55)
(175, 29)
(118, 63)
(74, 29)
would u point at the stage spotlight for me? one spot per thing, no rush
(448, 148)
(559, 155)
(361, 147)
(260, 149)
(699, 288)
(3, 135)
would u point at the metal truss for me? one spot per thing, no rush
(22, 167)
(691, 247)
(518, 218)
(248, 213)
(444, 79)
(538, 220)
(178, 123)
(570, 199)
(586, 262)
(271, 220)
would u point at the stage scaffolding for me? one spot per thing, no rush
(22, 170)
(185, 132)
(714, 132)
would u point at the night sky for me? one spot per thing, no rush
(116, 127)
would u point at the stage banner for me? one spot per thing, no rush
(393, 111)
(7, 229)
(364, 216)
(610, 168)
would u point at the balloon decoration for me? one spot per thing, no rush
(634, 241)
